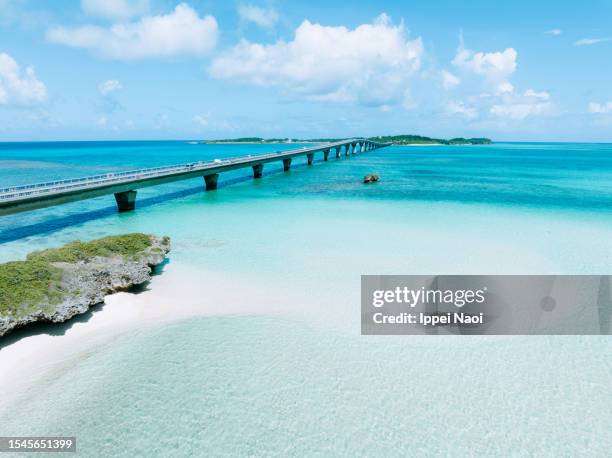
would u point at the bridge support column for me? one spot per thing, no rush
(325, 154)
(347, 150)
(211, 181)
(337, 152)
(287, 164)
(310, 157)
(355, 145)
(126, 201)
(257, 170)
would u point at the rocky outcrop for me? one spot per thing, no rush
(371, 178)
(86, 282)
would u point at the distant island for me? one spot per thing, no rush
(394, 139)
(420, 140)
(259, 140)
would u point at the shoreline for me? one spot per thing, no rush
(60, 347)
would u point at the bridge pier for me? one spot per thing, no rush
(310, 157)
(257, 170)
(325, 154)
(211, 181)
(338, 152)
(354, 148)
(287, 164)
(126, 201)
(347, 150)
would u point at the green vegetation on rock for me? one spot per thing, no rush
(128, 245)
(27, 283)
(36, 280)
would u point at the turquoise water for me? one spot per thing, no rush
(303, 382)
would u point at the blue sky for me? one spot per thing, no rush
(159, 69)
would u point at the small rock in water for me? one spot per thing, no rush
(370, 178)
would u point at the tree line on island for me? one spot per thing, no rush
(393, 139)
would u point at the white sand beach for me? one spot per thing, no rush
(175, 295)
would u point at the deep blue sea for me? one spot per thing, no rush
(269, 360)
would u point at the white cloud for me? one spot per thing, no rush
(263, 17)
(505, 87)
(489, 75)
(181, 32)
(495, 67)
(115, 9)
(109, 86)
(202, 120)
(211, 123)
(600, 108)
(462, 109)
(591, 41)
(449, 80)
(519, 109)
(493, 64)
(543, 95)
(17, 87)
(371, 64)
(553, 32)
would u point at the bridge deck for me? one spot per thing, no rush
(17, 199)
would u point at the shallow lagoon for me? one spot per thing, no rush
(299, 379)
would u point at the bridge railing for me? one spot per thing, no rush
(150, 172)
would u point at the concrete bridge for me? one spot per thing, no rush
(123, 185)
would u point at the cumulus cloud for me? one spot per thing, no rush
(17, 87)
(591, 41)
(519, 107)
(543, 95)
(553, 32)
(600, 108)
(181, 32)
(263, 17)
(115, 9)
(489, 74)
(449, 80)
(520, 111)
(108, 87)
(461, 108)
(371, 64)
(495, 67)
(505, 87)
